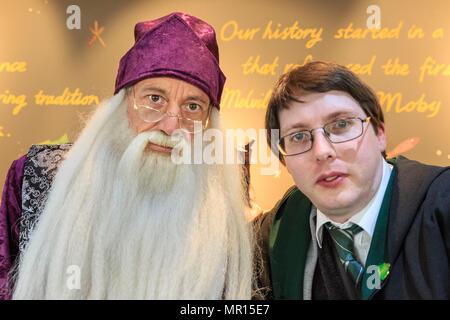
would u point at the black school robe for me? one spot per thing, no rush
(417, 238)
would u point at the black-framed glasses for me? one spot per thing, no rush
(338, 131)
(148, 112)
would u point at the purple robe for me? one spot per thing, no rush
(10, 213)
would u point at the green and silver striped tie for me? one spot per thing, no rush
(343, 241)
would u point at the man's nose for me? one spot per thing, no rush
(323, 149)
(170, 122)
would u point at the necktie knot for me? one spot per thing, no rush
(348, 233)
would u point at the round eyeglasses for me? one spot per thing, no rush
(150, 111)
(338, 131)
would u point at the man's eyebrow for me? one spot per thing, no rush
(340, 113)
(164, 92)
(197, 98)
(155, 89)
(297, 125)
(330, 117)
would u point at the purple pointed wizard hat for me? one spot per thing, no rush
(177, 45)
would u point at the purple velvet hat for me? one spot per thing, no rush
(177, 45)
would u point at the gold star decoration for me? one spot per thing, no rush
(96, 34)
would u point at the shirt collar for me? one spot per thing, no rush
(367, 217)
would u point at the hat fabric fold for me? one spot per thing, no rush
(178, 45)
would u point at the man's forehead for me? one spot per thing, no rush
(304, 109)
(165, 84)
(160, 81)
(329, 98)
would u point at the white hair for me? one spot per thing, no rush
(137, 226)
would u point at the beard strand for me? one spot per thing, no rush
(137, 225)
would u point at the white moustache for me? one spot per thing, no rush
(157, 137)
(162, 139)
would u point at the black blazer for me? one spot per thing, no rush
(418, 235)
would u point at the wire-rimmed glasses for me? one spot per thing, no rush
(338, 131)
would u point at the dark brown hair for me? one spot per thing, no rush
(319, 76)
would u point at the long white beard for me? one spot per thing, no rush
(137, 226)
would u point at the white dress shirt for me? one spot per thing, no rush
(366, 219)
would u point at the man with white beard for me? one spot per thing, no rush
(114, 217)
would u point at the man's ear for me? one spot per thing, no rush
(381, 136)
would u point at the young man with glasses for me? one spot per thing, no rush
(355, 226)
(122, 220)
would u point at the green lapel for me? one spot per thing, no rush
(377, 264)
(290, 236)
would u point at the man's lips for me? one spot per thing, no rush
(331, 179)
(157, 147)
